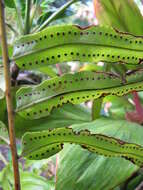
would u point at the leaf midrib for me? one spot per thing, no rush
(56, 46)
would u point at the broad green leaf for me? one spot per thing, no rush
(80, 169)
(37, 102)
(58, 44)
(122, 15)
(67, 83)
(39, 145)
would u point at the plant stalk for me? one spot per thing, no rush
(9, 98)
(27, 17)
(19, 17)
(96, 108)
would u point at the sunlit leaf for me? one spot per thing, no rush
(39, 145)
(58, 44)
(37, 102)
(122, 15)
(81, 169)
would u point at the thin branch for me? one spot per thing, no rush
(9, 98)
(27, 17)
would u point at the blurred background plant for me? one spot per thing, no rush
(122, 15)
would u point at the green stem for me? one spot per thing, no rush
(96, 108)
(19, 18)
(33, 13)
(27, 17)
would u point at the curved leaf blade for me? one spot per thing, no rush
(37, 145)
(67, 83)
(37, 102)
(58, 44)
(81, 166)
